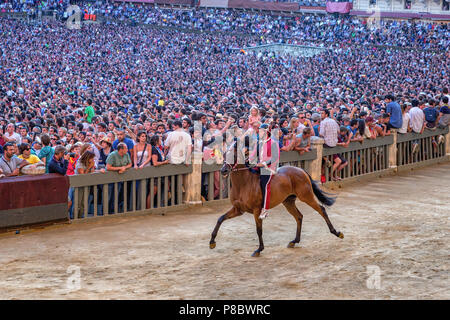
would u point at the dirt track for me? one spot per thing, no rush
(398, 224)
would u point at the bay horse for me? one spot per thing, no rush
(288, 184)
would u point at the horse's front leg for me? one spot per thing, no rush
(233, 212)
(258, 223)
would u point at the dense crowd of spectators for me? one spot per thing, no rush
(326, 30)
(111, 97)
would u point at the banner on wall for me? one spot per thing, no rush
(264, 5)
(339, 7)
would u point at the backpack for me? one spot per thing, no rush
(430, 114)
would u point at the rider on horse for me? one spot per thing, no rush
(268, 153)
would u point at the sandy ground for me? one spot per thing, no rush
(396, 227)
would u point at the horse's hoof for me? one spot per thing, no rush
(212, 245)
(341, 235)
(291, 245)
(255, 254)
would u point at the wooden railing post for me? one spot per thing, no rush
(315, 166)
(194, 181)
(392, 150)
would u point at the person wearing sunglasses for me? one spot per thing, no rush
(25, 154)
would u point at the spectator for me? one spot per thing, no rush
(444, 114)
(59, 162)
(74, 155)
(315, 118)
(303, 141)
(158, 157)
(119, 160)
(353, 128)
(329, 129)
(254, 115)
(395, 112)
(431, 116)
(405, 118)
(122, 139)
(47, 152)
(25, 154)
(85, 165)
(179, 144)
(89, 111)
(106, 148)
(417, 121)
(10, 164)
(11, 136)
(370, 129)
(382, 126)
(142, 151)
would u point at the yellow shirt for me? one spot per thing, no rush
(161, 103)
(32, 159)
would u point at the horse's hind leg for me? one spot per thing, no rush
(233, 212)
(309, 199)
(289, 203)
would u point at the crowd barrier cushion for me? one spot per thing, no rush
(33, 200)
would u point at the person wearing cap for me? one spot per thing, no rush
(315, 118)
(105, 150)
(266, 156)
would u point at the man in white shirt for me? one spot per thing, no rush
(179, 143)
(417, 117)
(416, 121)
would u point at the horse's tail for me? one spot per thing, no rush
(325, 198)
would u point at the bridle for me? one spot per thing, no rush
(233, 168)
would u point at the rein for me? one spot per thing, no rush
(233, 168)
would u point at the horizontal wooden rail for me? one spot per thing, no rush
(426, 133)
(129, 175)
(355, 146)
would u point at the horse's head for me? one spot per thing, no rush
(237, 154)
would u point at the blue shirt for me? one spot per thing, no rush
(394, 109)
(316, 130)
(353, 131)
(128, 142)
